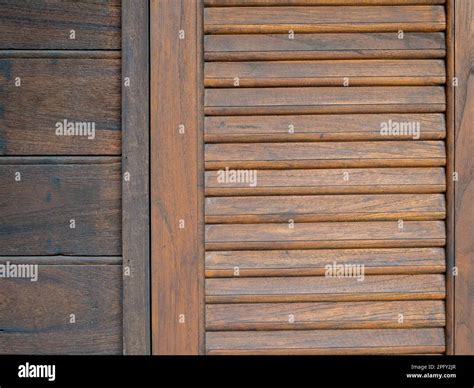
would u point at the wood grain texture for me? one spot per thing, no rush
(175, 168)
(313, 262)
(323, 19)
(47, 24)
(321, 288)
(37, 210)
(228, 210)
(326, 155)
(53, 90)
(324, 46)
(35, 316)
(298, 100)
(135, 191)
(331, 181)
(245, 3)
(349, 127)
(381, 234)
(464, 192)
(325, 73)
(324, 342)
(325, 315)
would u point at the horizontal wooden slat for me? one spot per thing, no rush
(330, 181)
(37, 210)
(325, 315)
(325, 73)
(376, 99)
(84, 91)
(327, 155)
(307, 208)
(350, 127)
(323, 46)
(324, 342)
(314, 262)
(325, 235)
(321, 288)
(48, 24)
(323, 19)
(35, 316)
(246, 3)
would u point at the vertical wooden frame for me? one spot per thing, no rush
(176, 177)
(449, 177)
(464, 167)
(135, 177)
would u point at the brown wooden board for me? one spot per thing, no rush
(47, 24)
(38, 207)
(464, 192)
(177, 265)
(135, 178)
(35, 316)
(37, 95)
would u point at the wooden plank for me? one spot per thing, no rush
(325, 73)
(38, 208)
(234, 20)
(464, 192)
(324, 342)
(324, 46)
(83, 92)
(36, 316)
(253, 209)
(326, 235)
(48, 24)
(325, 289)
(247, 3)
(331, 181)
(298, 100)
(175, 204)
(314, 262)
(326, 155)
(135, 162)
(325, 315)
(350, 127)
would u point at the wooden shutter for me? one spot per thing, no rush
(299, 90)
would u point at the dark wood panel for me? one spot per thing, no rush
(324, 342)
(36, 317)
(325, 315)
(245, 3)
(84, 92)
(325, 208)
(330, 181)
(323, 19)
(135, 162)
(324, 46)
(246, 129)
(325, 155)
(314, 262)
(325, 73)
(464, 191)
(297, 100)
(322, 288)
(326, 235)
(37, 210)
(47, 24)
(177, 268)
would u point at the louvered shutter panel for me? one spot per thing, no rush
(298, 91)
